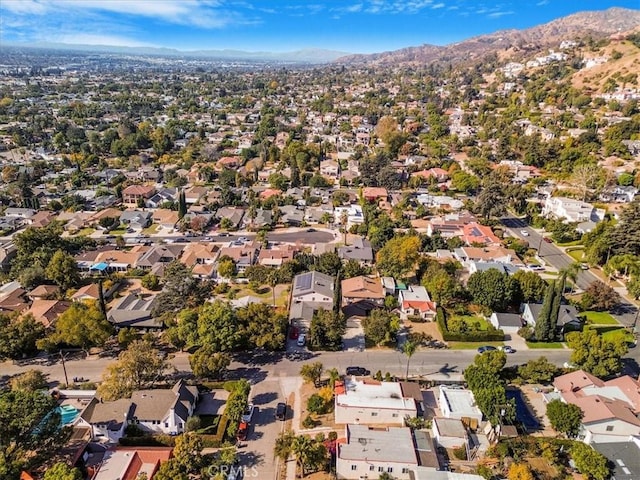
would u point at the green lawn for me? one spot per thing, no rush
(619, 333)
(85, 232)
(536, 345)
(576, 254)
(575, 243)
(472, 320)
(151, 230)
(600, 318)
(118, 231)
(472, 345)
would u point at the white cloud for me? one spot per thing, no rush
(199, 13)
(438, 5)
(500, 14)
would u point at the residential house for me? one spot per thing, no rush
(229, 163)
(311, 291)
(162, 196)
(90, 292)
(136, 219)
(113, 213)
(568, 318)
(47, 311)
(201, 257)
(438, 175)
(415, 301)
(261, 219)
(359, 250)
(113, 260)
(509, 323)
(330, 169)
(456, 402)
(12, 298)
(351, 214)
(449, 432)
(135, 194)
(624, 457)
(610, 409)
(23, 213)
(165, 218)
(164, 410)
(570, 210)
(375, 194)
(441, 202)
(8, 252)
(619, 194)
(276, 255)
(243, 255)
(108, 420)
(484, 266)
(43, 292)
(369, 401)
(368, 452)
(291, 215)
(234, 214)
(473, 233)
(130, 463)
(450, 225)
(156, 257)
(41, 219)
(421, 473)
(134, 311)
(361, 294)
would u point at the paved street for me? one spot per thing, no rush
(558, 259)
(257, 368)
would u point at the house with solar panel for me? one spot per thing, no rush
(311, 291)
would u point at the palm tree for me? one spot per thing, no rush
(570, 272)
(333, 376)
(302, 447)
(282, 447)
(344, 218)
(409, 348)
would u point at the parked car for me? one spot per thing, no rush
(536, 268)
(302, 340)
(294, 332)
(281, 411)
(524, 233)
(486, 348)
(547, 239)
(248, 413)
(358, 371)
(241, 434)
(508, 349)
(584, 266)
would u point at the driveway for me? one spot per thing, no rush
(256, 453)
(516, 342)
(353, 338)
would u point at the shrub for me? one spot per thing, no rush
(316, 404)
(460, 453)
(309, 422)
(526, 332)
(160, 440)
(490, 335)
(193, 423)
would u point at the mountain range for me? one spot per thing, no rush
(597, 24)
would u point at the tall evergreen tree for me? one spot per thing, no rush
(555, 305)
(182, 204)
(544, 330)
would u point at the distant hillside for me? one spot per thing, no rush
(620, 67)
(311, 55)
(598, 24)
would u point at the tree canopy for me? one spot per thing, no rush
(595, 354)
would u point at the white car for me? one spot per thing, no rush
(248, 413)
(524, 233)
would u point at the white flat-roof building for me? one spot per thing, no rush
(373, 402)
(458, 403)
(370, 451)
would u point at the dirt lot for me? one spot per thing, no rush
(429, 328)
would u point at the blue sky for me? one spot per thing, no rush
(358, 26)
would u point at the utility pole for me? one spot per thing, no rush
(64, 368)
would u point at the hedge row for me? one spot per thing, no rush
(159, 440)
(471, 336)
